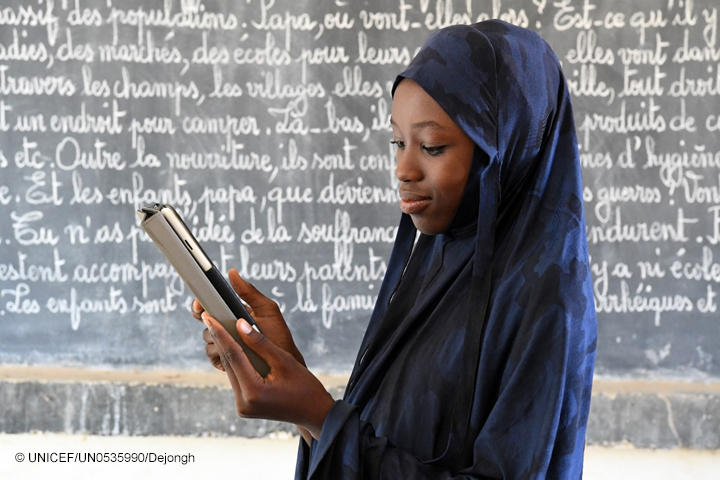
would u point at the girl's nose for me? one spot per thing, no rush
(408, 168)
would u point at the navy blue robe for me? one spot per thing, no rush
(478, 360)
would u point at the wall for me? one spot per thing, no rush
(266, 124)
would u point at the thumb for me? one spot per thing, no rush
(273, 355)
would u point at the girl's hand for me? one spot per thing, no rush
(263, 310)
(289, 393)
(267, 315)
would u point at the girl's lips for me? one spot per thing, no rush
(414, 206)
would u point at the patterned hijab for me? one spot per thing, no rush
(489, 368)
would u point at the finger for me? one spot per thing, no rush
(228, 351)
(251, 295)
(273, 355)
(232, 355)
(211, 352)
(207, 336)
(197, 309)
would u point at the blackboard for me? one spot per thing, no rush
(266, 123)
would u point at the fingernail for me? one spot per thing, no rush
(245, 326)
(205, 320)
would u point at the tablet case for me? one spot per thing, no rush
(163, 235)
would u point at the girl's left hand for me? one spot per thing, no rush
(289, 393)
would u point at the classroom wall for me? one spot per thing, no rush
(265, 123)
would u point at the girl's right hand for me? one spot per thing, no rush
(263, 310)
(267, 315)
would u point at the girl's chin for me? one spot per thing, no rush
(423, 227)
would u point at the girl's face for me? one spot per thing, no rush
(433, 158)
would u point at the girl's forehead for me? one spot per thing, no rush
(417, 110)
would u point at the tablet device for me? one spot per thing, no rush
(168, 231)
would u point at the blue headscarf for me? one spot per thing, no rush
(487, 371)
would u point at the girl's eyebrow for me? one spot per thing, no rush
(420, 125)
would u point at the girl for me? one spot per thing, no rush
(478, 358)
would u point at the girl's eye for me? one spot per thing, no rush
(434, 151)
(398, 143)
